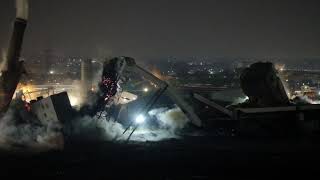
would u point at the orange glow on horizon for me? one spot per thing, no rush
(156, 72)
(27, 90)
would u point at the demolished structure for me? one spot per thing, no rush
(268, 109)
(55, 108)
(262, 85)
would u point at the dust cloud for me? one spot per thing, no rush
(21, 131)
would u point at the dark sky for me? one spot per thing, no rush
(157, 28)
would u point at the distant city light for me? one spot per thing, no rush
(51, 72)
(145, 89)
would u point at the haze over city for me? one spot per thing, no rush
(142, 29)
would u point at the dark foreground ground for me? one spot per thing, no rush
(190, 158)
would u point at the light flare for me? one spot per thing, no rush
(140, 119)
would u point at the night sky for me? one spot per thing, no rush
(159, 28)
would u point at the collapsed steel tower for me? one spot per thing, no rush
(10, 75)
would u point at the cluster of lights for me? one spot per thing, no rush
(110, 87)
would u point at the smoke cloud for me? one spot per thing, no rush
(305, 100)
(170, 122)
(93, 129)
(170, 119)
(75, 96)
(240, 100)
(78, 96)
(20, 130)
